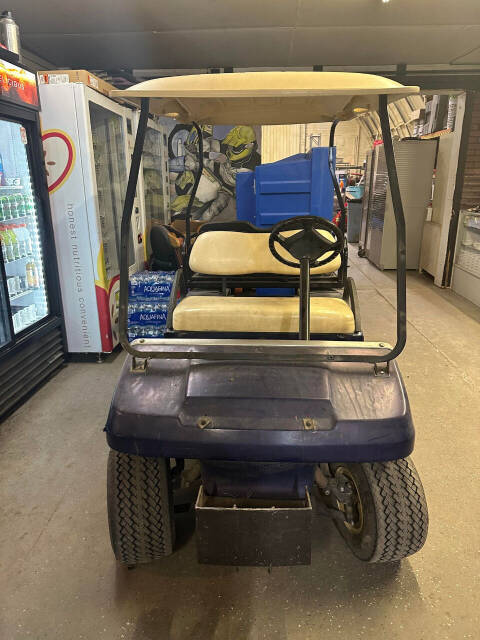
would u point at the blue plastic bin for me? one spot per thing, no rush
(295, 186)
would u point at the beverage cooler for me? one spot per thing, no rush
(31, 338)
(86, 144)
(153, 180)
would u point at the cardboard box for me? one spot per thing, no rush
(56, 76)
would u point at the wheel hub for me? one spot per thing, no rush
(351, 504)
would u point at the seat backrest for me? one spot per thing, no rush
(232, 253)
(165, 255)
(234, 225)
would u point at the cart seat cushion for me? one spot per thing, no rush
(233, 253)
(272, 315)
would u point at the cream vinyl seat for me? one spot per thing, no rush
(234, 253)
(231, 314)
(230, 253)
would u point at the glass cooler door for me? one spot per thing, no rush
(5, 333)
(111, 175)
(155, 177)
(468, 249)
(20, 231)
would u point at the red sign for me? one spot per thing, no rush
(57, 144)
(18, 85)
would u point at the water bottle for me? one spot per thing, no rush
(20, 202)
(21, 233)
(14, 242)
(28, 240)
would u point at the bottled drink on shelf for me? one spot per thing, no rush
(5, 213)
(21, 234)
(6, 244)
(13, 206)
(14, 241)
(2, 175)
(20, 202)
(9, 242)
(26, 239)
(17, 245)
(29, 204)
(32, 275)
(11, 285)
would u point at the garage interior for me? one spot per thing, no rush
(59, 578)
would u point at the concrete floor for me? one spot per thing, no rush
(58, 577)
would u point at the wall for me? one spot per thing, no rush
(471, 182)
(351, 140)
(281, 141)
(35, 62)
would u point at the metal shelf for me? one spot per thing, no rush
(29, 257)
(469, 261)
(472, 227)
(20, 295)
(8, 220)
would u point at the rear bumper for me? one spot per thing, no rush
(346, 443)
(333, 412)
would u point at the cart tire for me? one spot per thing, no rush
(140, 508)
(395, 514)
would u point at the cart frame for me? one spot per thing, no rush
(304, 351)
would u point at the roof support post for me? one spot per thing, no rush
(188, 214)
(400, 225)
(341, 203)
(126, 219)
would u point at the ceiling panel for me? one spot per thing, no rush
(107, 16)
(67, 16)
(386, 45)
(182, 49)
(398, 12)
(471, 57)
(254, 33)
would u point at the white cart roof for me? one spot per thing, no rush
(273, 97)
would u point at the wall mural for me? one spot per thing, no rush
(226, 151)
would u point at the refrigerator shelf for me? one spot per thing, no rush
(475, 226)
(29, 257)
(17, 296)
(469, 261)
(9, 187)
(25, 325)
(8, 220)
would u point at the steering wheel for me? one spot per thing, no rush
(308, 244)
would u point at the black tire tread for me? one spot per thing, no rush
(139, 508)
(400, 507)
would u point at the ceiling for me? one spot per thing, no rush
(126, 34)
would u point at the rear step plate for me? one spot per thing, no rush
(253, 532)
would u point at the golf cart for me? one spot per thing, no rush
(280, 399)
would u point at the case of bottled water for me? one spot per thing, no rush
(149, 295)
(150, 285)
